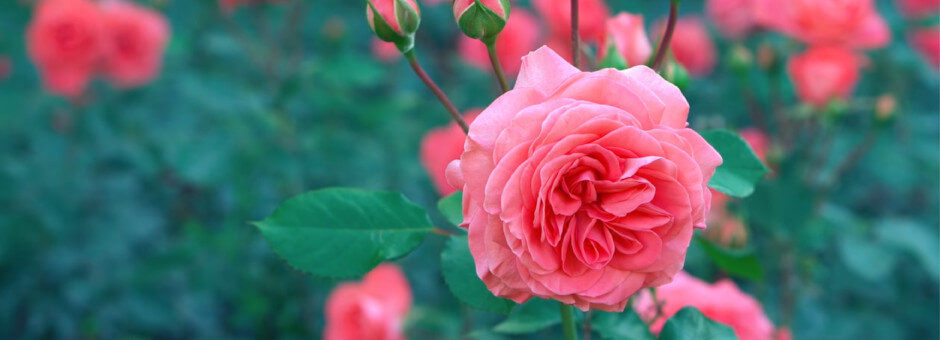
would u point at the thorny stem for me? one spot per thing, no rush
(494, 59)
(575, 35)
(667, 36)
(413, 60)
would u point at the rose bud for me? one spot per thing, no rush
(441, 146)
(481, 19)
(627, 37)
(64, 40)
(849, 23)
(519, 37)
(885, 107)
(722, 302)
(136, 38)
(822, 74)
(691, 45)
(373, 309)
(582, 187)
(395, 21)
(740, 59)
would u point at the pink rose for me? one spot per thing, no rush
(691, 45)
(722, 302)
(65, 42)
(385, 51)
(373, 309)
(927, 42)
(918, 8)
(757, 140)
(850, 23)
(723, 227)
(734, 18)
(519, 37)
(625, 31)
(441, 146)
(822, 74)
(583, 187)
(136, 39)
(592, 15)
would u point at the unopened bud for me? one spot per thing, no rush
(481, 19)
(394, 21)
(674, 73)
(885, 107)
(741, 59)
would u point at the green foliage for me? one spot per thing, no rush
(624, 325)
(451, 207)
(460, 275)
(738, 262)
(740, 169)
(343, 232)
(532, 316)
(689, 324)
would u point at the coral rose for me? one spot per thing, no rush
(849, 23)
(592, 16)
(927, 42)
(519, 37)
(625, 31)
(734, 18)
(441, 146)
(691, 45)
(65, 42)
(136, 39)
(722, 302)
(582, 187)
(373, 309)
(822, 74)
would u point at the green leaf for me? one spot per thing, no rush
(741, 168)
(626, 325)
(460, 276)
(344, 232)
(914, 238)
(868, 259)
(738, 262)
(533, 316)
(452, 208)
(690, 324)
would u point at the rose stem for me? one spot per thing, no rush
(587, 325)
(575, 36)
(413, 60)
(667, 36)
(494, 59)
(567, 322)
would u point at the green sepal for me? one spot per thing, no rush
(613, 59)
(385, 32)
(481, 22)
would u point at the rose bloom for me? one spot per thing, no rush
(757, 140)
(441, 146)
(373, 309)
(384, 51)
(722, 302)
(582, 187)
(918, 8)
(136, 38)
(927, 42)
(822, 74)
(625, 31)
(850, 23)
(519, 37)
(64, 40)
(734, 18)
(592, 17)
(691, 45)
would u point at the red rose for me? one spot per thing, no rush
(822, 74)
(136, 39)
(65, 42)
(374, 309)
(441, 146)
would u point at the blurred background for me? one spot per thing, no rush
(125, 213)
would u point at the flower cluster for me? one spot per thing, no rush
(72, 40)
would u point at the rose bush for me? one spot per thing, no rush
(582, 187)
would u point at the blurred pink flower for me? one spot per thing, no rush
(822, 74)
(385, 51)
(136, 38)
(919, 8)
(849, 23)
(374, 309)
(734, 18)
(628, 36)
(64, 40)
(593, 15)
(441, 146)
(518, 38)
(691, 45)
(927, 42)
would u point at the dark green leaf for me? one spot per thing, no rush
(625, 325)
(690, 324)
(452, 208)
(741, 168)
(535, 315)
(343, 232)
(460, 275)
(866, 258)
(738, 262)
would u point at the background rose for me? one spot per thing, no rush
(441, 146)
(519, 37)
(626, 32)
(136, 38)
(373, 309)
(691, 45)
(850, 23)
(721, 301)
(583, 187)
(557, 14)
(65, 43)
(734, 18)
(822, 74)
(918, 8)
(927, 42)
